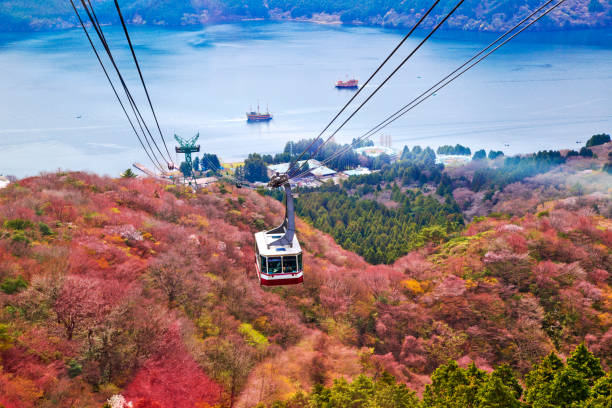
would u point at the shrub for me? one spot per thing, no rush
(19, 237)
(259, 224)
(480, 155)
(44, 229)
(74, 368)
(252, 336)
(17, 224)
(13, 285)
(599, 139)
(495, 154)
(5, 338)
(585, 152)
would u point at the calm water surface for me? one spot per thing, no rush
(544, 91)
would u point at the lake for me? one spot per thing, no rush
(541, 91)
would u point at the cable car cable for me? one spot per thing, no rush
(407, 108)
(137, 113)
(294, 162)
(390, 75)
(381, 125)
(144, 85)
(111, 82)
(139, 118)
(362, 138)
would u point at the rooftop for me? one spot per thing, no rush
(359, 171)
(4, 182)
(317, 171)
(375, 151)
(264, 240)
(452, 160)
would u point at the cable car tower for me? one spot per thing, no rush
(188, 146)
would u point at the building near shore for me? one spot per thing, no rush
(375, 151)
(4, 182)
(314, 169)
(359, 171)
(452, 160)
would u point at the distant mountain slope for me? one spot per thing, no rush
(475, 15)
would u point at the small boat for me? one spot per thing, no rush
(259, 116)
(350, 84)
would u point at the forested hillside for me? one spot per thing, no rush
(134, 288)
(475, 15)
(413, 201)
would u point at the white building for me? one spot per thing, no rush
(359, 171)
(318, 171)
(4, 182)
(452, 160)
(375, 151)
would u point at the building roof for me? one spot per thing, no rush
(4, 182)
(317, 171)
(452, 159)
(375, 151)
(359, 171)
(263, 240)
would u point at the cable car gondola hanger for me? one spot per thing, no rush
(278, 253)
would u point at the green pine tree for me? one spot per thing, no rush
(128, 173)
(506, 375)
(539, 381)
(494, 394)
(569, 389)
(584, 362)
(601, 393)
(445, 382)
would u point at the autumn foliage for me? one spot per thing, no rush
(136, 288)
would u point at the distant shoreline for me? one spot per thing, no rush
(454, 30)
(400, 23)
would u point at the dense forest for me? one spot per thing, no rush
(376, 218)
(411, 202)
(378, 233)
(475, 15)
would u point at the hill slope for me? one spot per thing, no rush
(117, 286)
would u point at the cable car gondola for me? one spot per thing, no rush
(278, 255)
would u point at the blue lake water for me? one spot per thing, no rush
(541, 91)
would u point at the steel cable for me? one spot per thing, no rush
(389, 76)
(294, 162)
(389, 120)
(111, 84)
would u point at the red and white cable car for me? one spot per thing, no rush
(278, 253)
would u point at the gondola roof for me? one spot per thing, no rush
(264, 240)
